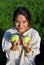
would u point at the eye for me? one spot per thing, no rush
(24, 21)
(17, 21)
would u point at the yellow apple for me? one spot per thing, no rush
(26, 39)
(14, 37)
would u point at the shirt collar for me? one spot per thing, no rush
(26, 33)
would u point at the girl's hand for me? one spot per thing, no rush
(24, 44)
(15, 45)
(26, 47)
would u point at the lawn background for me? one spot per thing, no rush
(36, 8)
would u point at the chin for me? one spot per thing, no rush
(21, 32)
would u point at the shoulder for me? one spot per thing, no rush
(34, 31)
(35, 34)
(10, 31)
(31, 32)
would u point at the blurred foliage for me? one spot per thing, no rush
(36, 8)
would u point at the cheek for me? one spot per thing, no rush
(26, 24)
(16, 24)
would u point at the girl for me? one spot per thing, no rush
(20, 53)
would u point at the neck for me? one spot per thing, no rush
(25, 30)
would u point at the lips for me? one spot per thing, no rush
(20, 28)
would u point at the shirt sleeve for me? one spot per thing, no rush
(35, 45)
(6, 45)
(5, 41)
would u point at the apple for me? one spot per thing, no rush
(14, 37)
(26, 39)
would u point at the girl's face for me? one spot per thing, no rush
(21, 23)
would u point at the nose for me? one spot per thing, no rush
(20, 24)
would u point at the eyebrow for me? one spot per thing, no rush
(19, 21)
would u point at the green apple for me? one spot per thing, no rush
(14, 37)
(26, 39)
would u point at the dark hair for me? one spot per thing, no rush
(24, 11)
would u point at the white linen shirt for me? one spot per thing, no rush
(25, 58)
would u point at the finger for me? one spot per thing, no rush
(24, 44)
(15, 42)
(19, 41)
